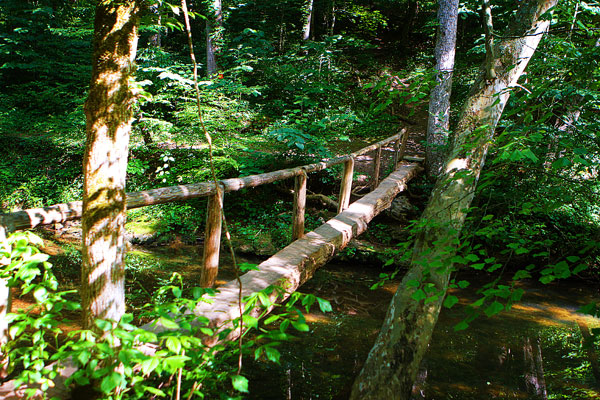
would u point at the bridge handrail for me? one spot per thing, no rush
(59, 213)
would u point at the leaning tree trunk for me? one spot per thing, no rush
(109, 114)
(214, 32)
(439, 101)
(393, 362)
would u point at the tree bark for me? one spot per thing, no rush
(214, 33)
(439, 100)
(109, 114)
(489, 40)
(393, 362)
(308, 12)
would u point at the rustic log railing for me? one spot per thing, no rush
(60, 213)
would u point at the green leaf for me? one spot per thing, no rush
(450, 301)
(413, 283)
(300, 326)
(494, 308)
(176, 362)
(110, 382)
(419, 295)
(529, 154)
(154, 391)
(271, 319)
(561, 163)
(463, 284)
(272, 354)
(239, 383)
(250, 321)
(461, 326)
(324, 305)
(580, 268)
(264, 299)
(168, 323)
(149, 365)
(103, 325)
(521, 274)
(472, 257)
(84, 357)
(173, 344)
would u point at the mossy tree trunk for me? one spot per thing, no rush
(393, 362)
(109, 114)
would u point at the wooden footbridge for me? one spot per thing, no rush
(290, 267)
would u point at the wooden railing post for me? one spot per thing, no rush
(212, 241)
(299, 206)
(376, 168)
(346, 186)
(397, 148)
(403, 146)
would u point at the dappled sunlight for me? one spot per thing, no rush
(318, 318)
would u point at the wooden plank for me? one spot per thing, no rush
(346, 185)
(299, 207)
(296, 263)
(376, 169)
(212, 240)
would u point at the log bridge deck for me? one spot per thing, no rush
(295, 264)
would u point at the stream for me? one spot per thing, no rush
(532, 352)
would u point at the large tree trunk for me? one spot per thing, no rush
(393, 362)
(439, 101)
(109, 114)
(214, 33)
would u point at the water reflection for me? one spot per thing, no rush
(532, 352)
(535, 351)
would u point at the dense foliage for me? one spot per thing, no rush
(279, 100)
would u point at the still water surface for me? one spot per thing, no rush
(534, 351)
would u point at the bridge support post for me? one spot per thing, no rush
(212, 241)
(376, 168)
(346, 186)
(299, 206)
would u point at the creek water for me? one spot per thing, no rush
(534, 351)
